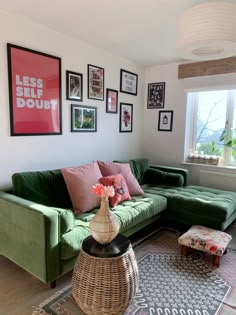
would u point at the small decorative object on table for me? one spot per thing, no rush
(104, 226)
(205, 239)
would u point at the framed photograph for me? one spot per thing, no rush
(156, 95)
(165, 120)
(83, 118)
(126, 117)
(95, 82)
(112, 101)
(74, 86)
(34, 92)
(128, 82)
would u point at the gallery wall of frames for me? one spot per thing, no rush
(35, 86)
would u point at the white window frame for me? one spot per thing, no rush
(191, 122)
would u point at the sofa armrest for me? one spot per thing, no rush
(30, 235)
(176, 170)
(156, 177)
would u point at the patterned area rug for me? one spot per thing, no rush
(168, 283)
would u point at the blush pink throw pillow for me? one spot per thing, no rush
(120, 187)
(80, 181)
(112, 168)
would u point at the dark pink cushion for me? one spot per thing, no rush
(120, 187)
(112, 168)
(80, 181)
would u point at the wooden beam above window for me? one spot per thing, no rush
(203, 68)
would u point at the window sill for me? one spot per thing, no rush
(218, 167)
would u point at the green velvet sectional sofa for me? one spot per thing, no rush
(40, 232)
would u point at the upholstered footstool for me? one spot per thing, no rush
(207, 240)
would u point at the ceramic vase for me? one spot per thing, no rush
(104, 226)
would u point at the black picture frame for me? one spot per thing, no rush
(74, 86)
(111, 101)
(165, 120)
(34, 79)
(156, 95)
(126, 117)
(96, 77)
(128, 82)
(83, 118)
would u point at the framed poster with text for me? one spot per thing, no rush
(95, 82)
(34, 92)
(156, 95)
(128, 82)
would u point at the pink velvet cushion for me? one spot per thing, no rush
(120, 187)
(111, 168)
(80, 181)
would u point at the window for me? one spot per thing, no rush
(210, 113)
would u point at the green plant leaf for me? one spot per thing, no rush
(223, 135)
(229, 144)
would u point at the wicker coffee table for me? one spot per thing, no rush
(105, 277)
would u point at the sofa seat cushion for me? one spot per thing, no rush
(129, 213)
(197, 201)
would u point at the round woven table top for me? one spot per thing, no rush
(117, 247)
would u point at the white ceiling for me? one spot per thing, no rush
(141, 30)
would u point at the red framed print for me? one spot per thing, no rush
(95, 82)
(34, 92)
(111, 101)
(126, 117)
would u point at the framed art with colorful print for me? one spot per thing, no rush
(95, 82)
(83, 118)
(34, 92)
(111, 101)
(126, 117)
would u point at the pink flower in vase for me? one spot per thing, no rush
(103, 191)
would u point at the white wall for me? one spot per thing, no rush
(167, 148)
(23, 153)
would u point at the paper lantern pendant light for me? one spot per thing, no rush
(207, 31)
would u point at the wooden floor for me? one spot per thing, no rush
(19, 291)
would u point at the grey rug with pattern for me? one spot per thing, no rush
(168, 282)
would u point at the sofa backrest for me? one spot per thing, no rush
(44, 187)
(138, 167)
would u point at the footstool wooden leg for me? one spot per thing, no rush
(216, 261)
(184, 250)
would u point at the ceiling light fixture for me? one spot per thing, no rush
(207, 31)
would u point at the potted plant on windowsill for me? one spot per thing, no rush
(226, 140)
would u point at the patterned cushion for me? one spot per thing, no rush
(206, 239)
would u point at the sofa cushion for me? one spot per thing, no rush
(195, 202)
(120, 187)
(80, 181)
(112, 168)
(157, 177)
(138, 167)
(130, 213)
(44, 187)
